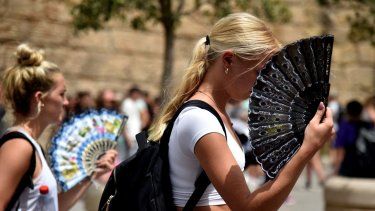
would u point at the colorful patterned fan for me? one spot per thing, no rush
(80, 142)
(284, 99)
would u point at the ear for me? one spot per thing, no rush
(228, 58)
(38, 96)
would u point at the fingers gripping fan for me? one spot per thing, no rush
(80, 142)
(285, 98)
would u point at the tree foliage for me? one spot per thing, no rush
(362, 21)
(93, 14)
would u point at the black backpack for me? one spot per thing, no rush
(359, 159)
(142, 182)
(27, 179)
(365, 153)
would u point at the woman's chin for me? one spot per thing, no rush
(59, 121)
(244, 97)
(56, 121)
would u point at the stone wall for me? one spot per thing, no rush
(117, 57)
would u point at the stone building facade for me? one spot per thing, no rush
(118, 57)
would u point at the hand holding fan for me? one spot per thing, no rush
(80, 142)
(284, 99)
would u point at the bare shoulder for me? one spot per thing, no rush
(213, 153)
(16, 153)
(211, 142)
(15, 156)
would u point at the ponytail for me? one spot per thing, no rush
(193, 77)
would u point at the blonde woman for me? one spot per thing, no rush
(224, 66)
(34, 89)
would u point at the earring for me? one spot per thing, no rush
(226, 71)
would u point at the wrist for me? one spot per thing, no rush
(306, 152)
(86, 181)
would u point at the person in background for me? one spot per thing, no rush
(337, 110)
(84, 102)
(337, 113)
(34, 89)
(345, 158)
(369, 111)
(150, 104)
(135, 108)
(107, 99)
(316, 165)
(224, 66)
(365, 142)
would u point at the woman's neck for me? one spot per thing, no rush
(216, 96)
(34, 127)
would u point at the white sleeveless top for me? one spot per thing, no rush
(190, 126)
(32, 199)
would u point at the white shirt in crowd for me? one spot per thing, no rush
(133, 110)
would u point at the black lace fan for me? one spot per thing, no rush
(284, 99)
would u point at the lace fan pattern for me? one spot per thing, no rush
(80, 142)
(284, 99)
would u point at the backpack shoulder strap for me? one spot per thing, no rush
(206, 106)
(27, 179)
(202, 181)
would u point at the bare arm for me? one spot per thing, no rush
(14, 162)
(227, 177)
(104, 165)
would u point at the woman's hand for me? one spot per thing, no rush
(318, 131)
(105, 164)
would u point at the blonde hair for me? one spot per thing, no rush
(30, 74)
(247, 36)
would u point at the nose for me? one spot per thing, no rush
(66, 102)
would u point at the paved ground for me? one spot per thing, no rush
(305, 199)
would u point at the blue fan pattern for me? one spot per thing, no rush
(80, 141)
(285, 98)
